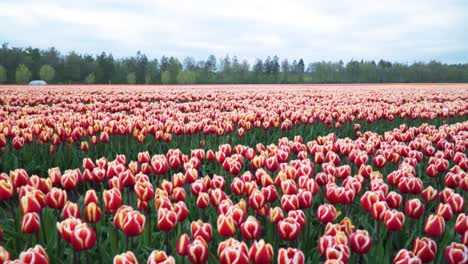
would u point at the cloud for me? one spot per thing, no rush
(397, 30)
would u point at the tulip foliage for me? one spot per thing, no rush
(233, 175)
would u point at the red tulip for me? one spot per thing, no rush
(70, 210)
(429, 194)
(5, 256)
(251, 228)
(233, 251)
(261, 252)
(6, 189)
(226, 225)
(36, 255)
(290, 256)
(125, 258)
(160, 257)
(360, 241)
(379, 209)
(167, 219)
(461, 225)
(457, 202)
(66, 228)
(30, 203)
(133, 224)
(182, 245)
(394, 220)
(275, 215)
(198, 251)
(435, 225)
(144, 190)
(201, 229)
(338, 251)
(394, 200)
(368, 199)
(406, 257)
(256, 200)
(326, 213)
(83, 237)
(112, 200)
(445, 210)
(288, 229)
(456, 253)
(425, 248)
(181, 210)
(91, 197)
(30, 223)
(289, 202)
(414, 208)
(92, 213)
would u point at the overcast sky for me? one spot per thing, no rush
(404, 31)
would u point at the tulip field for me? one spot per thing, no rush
(234, 174)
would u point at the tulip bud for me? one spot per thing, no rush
(456, 253)
(288, 229)
(290, 256)
(5, 256)
(425, 248)
(457, 202)
(251, 228)
(414, 208)
(233, 251)
(198, 251)
(360, 241)
(200, 229)
(37, 254)
(56, 198)
(226, 225)
(83, 237)
(461, 225)
(261, 252)
(30, 223)
(125, 258)
(326, 213)
(133, 224)
(112, 200)
(167, 219)
(6, 189)
(70, 210)
(160, 257)
(91, 197)
(435, 225)
(92, 213)
(406, 257)
(394, 220)
(182, 245)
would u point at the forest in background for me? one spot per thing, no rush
(21, 65)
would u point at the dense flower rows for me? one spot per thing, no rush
(219, 188)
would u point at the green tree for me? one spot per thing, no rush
(23, 75)
(47, 73)
(90, 78)
(166, 77)
(131, 78)
(3, 74)
(186, 77)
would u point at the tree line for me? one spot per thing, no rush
(21, 65)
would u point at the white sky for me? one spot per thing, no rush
(399, 30)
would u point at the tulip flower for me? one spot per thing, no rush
(261, 252)
(6, 189)
(83, 237)
(5, 256)
(198, 251)
(70, 210)
(414, 208)
(233, 251)
(182, 245)
(288, 229)
(160, 257)
(92, 213)
(360, 241)
(456, 253)
(112, 200)
(125, 258)
(167, 219)
(406, 257)
(394, 220)
(200, 229)
(226, 226)
(251, 228)
(30, 223)
(290, 256)
(36, 255)
(425, 248)
(326, 213)
(133, 223)
(435, 225)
